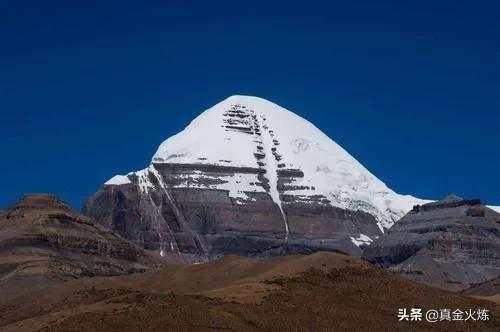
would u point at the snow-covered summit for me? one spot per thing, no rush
(245, 131)
(208, 140)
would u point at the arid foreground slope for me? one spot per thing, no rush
(323, 291)
(489, 290)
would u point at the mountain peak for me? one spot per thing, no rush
(249, 132)
(245, 99)
(251, 102)
(452, 198)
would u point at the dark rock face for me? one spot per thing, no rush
(43, 242)
(451, 244)
(172, 208)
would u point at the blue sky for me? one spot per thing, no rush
(89, 89)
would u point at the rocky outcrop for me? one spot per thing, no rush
(451, 244)
(43, 242)
(156, 213)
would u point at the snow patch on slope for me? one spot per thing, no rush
(361, 240)
(117, 180)
(234, 184)
(237, 185)
(495, 208)
(142, 179)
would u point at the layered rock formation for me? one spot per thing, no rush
(249, 177)
(43, 242)
(451, 244)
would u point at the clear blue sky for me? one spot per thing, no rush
(410, 88)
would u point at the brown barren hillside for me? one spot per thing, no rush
(43, 242)
(321, 292)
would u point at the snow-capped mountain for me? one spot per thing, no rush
(259, 161)
(244, 131)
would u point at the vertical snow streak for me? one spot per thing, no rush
(160, 237)
(272, 170)
(144, 191)
(143, 188)
(177, 211)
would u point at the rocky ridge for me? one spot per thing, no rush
(44, 242)
(452, 244)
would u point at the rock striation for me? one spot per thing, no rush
(43, 242)
(452, 244)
